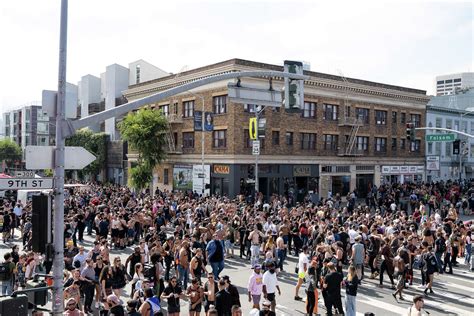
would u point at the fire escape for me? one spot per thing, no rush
(173, 118)
(355, 123)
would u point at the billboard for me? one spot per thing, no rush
(182, 177)
(432, 163)
(199, 175)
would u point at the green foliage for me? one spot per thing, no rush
(96, 143)
(9, 151)
(145, 131)
(48, 172)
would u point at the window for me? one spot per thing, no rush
(42, 128)
(457, 80)
(188, 140)
(448, 149)
(27, 114)
(403, 118)
(415, 146)
(175, 138)
(220, 104)
(456, 125)
(309, 110)
(439, 122)
(449, 81)
(449, 123)
(289, 138)
(438, 148)
(363, 115)
(137, 72)
(394, 144)
(380, 144)
(251, 108)
(308, 141)
(464, 126)
(402, 143)
(166, 176)
(219, 138)
(394, 117)
(472, 128)
(430, 148)
(275, 138)
(330, 112)
(247, 140)
(380, 117)
(362, 143)
(472, 151)
(165, 109)
(330, 142)
(416, 118)
(188, 108)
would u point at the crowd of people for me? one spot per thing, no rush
(181, 242)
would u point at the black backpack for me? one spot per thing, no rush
(5, 271)
(149, 271)
(441, 243)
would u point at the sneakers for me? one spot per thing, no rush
(97, 305)
(297, 298)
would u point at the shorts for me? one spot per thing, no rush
(256, 299)
(115, 233)
(196, 308)
(121, 233)
(207, 304)
(301, 274)
(173, 309)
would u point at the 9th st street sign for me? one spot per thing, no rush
(440, 138)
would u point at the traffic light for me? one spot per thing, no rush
(251, 172)
(293, 90)
(456, 147)
(41, 222)
(410, 131)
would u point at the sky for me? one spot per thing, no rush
(400, 42)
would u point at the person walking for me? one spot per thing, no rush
(358, 256)
(303, 263)
(215, 255)
(7, 273)
(431, 267)
(399, 265)
(255, 239)
(270, 285)
(387, 262)
(311, 289)
(223, 300)
(351, 283)
(415, 309)
(332, 285)
(173, 293)
(255, 286)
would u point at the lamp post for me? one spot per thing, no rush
(202, 141)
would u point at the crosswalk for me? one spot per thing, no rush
(453, 295)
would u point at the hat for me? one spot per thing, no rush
(71, 300)
(257, 266)
(113, 298)
(226, 278)
(266, 302)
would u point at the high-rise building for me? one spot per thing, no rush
(447, 84)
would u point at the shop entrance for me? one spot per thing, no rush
(301, 188)
(363, 181)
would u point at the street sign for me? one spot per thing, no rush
(440, 138)
(256, 147)
(42, 157)
(254, 95)
(26, 184)
(201, 175)
(25, 174)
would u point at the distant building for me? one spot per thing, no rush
(447, 84)
(453, 112)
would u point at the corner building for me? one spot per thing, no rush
(349, 135)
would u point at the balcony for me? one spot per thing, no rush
(174, 118)
(354, 152)
(350, 121)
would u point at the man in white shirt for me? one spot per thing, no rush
(303, 262)
(270, 285)
(81, 257)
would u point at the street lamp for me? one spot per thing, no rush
(467, 111)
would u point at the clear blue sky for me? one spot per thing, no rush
(399, 42)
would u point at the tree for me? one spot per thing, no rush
(96, 143)
(145, 131)
(10, 152)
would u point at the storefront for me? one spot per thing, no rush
(402, 174)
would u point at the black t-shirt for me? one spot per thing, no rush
(333, 280)
(173, 301)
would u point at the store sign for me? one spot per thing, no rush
(221, 169)
(403, 169)
(432, 163)
(301, 171)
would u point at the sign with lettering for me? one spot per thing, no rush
(416, 169)
(301, 171)
(221, 169)
(26, 184)
(432, 163)
(25, 174)
(440, 138)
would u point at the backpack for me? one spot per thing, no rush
(5, 271)
(441, 243)
(149, 271)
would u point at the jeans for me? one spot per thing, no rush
(384, 268)
(468, 253)
(217, 268)
(281, 257)
(255, 251)
(439, 262)
(7, 287)
(350, 305)
(88, 295)
(183, 276)
(311, 302)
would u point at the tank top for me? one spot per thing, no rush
(217, 255)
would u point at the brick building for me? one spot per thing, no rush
(307, 152)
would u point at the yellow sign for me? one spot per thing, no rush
(253, 128)
(221, 169)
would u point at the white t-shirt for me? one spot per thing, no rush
(270, 281)
(303, 258)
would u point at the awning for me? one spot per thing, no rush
(469, 169)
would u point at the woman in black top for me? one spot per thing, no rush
(118, 275)
(311, 288)
(351, 282)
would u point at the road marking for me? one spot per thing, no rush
(383, 305)
(429, 302)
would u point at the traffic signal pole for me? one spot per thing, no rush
(58, 228)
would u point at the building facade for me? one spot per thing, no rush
(29, 125)
(302, 153)
(452, 112)
(448, 84)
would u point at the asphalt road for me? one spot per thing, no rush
(453, 294)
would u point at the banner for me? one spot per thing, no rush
(197, 121)
(253, 128)
(199, 175)
(182, 177)
(432, 163)
(209, 122)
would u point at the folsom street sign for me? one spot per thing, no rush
(440, 138)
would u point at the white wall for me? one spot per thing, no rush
(89, 92)
(147, 72)
(116, 80)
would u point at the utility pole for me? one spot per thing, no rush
(256, 156)
(58, 262)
